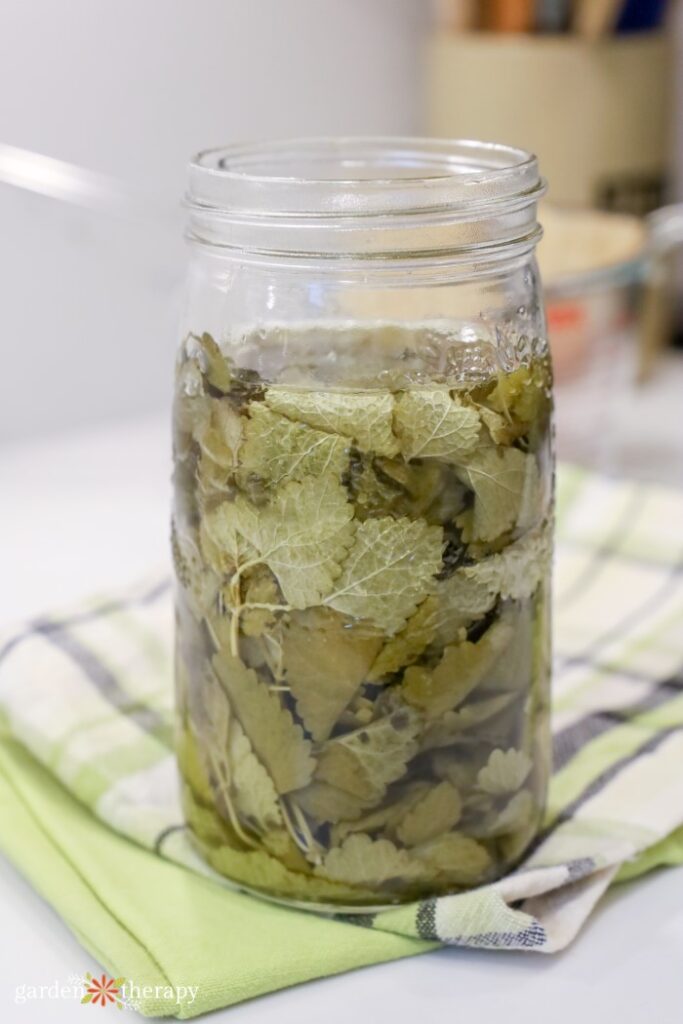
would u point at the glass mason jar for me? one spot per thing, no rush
(362, 518)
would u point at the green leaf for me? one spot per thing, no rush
(455, 604)
(258, 870)
(462, 859)
(222, 539)
(255, 796)
(406, 646)
(240, 787)
(325, 660)
(277, 741)
(361, 860)
(523, 395)
(460, 602)
(502, 480)
(452, 724)
(260, 588)
(461, 668)
(200, 583)
(517, 571)
(388, 571)
(219, 435)
(366, 761)
(302, 535)
(364, 417)
(204, 351)
(431, 423)
(277, 448)
(437, 812)
(502, 430)
(327, 803)
(505, 772)
(517, 814)
(387, 816)
(459, 763)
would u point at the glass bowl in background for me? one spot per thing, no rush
(608, 307)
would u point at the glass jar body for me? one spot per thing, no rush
(362, 537)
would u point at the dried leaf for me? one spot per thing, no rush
(461, 668)
(258, 870)
(201, 584)
(462, 859)
(500, 478)
(302, 535)
(501, 429)
(255, 796)
(406, 646)
(364, 417)
(517, 814)
(277, 741)
(277, 448)
(361, 860)
(437, 812)
(327, 803)
(387, 816)
(366, 761)
(325, 660)
(388, 571)
(430, 423)
(260, 588)
(505, 772)
(219, 435)
(204, 351)
(517, 571)
(452, 724)
(223, 545)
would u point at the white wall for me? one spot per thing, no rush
(132, 88)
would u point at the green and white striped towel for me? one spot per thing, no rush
(89, 693)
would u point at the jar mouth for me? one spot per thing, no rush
(406, 186)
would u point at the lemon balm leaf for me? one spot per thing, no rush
(461, 668)
(364, 762)
(431, 423)
(365, 418)
(387, 571)
(504, 772)
(325, 660)
(361, 860)
(499, 478)
(517, 570)
(277, 448)
(277, 740)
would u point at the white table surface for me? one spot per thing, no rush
(90, 510)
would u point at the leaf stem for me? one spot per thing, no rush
(224, 787)
(300, 832)
(313, 851)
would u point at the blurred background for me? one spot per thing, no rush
(103, 104)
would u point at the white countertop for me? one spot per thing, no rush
(89, 509)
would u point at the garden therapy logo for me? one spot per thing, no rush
(125, 994)
(104, 990)
(122, 993)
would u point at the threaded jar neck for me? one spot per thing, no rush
(366, 198)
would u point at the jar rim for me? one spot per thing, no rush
(362, 197)
(360, 176)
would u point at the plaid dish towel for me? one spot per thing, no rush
(89, 693)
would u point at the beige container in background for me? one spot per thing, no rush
(597, 114)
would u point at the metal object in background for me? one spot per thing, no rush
(69, 183)
(92, 270)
